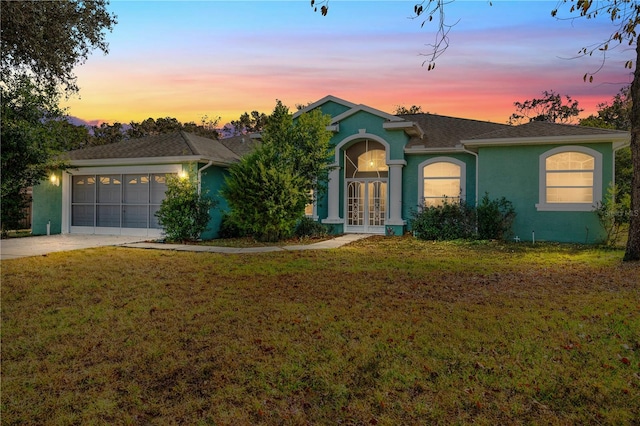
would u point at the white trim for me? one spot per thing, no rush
(411, 128)
(105, 162)
(424, 150)
(619, 137)
(542, 204)
(166, 168)
(364, 108)
(364, 136)
(328, 98)
(463, 175)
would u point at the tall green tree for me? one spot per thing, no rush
(268, 189)
(31, 136)
(41, 42)
(625, 18)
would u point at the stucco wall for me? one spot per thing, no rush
(47, 206)
(212, 182)
(513, 172)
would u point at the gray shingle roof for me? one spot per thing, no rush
(447, 132)
(176, 144)
(541, 129)
(241, 144)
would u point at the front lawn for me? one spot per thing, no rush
(384, 331)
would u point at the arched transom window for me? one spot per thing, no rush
(442, 179)
(366, 159)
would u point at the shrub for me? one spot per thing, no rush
(309, 228)
(267, 190)
(229, 229)
(495, 218)
(448, 221)
(184, 213)
(613, 214)
(491, 219)
(266, 198)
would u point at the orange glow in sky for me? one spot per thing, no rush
(220, 59)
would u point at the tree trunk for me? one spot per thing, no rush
(633, 243)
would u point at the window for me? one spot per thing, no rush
(441, 179)
(117, 201)
(366, 159)
(570, 179)
(309, 209)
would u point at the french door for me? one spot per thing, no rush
(366, 205)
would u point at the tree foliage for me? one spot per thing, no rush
(268, 189)
(46, 40)
(551, 108)
(249, 123)
(31, 135)
(41, 42)
(107, 133)
(413, 109)
(617, 115)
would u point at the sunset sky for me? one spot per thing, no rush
(187, 59)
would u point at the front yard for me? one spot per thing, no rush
(383, 331)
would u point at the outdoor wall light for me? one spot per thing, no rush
(183, 174)
(55, 180)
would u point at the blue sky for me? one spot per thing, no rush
(186, 59)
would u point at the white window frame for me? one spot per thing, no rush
(463, 176)
(569, 207)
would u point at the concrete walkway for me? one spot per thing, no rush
(14, 248)
(328, 244)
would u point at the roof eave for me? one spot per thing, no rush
(411, 128)
(434, 150)
(103, 162)
(546, 140)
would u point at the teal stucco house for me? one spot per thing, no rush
(385, 167)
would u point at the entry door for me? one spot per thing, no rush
(366, 205)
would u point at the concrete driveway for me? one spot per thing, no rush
(13, 248)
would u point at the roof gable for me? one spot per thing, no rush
(346, 105)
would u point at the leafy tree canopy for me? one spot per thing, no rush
(615, 115)
(249, 123)
(46, 40)
(31, 133)
(107, 133)
(551, 108)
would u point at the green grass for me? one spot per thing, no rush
(383, 331)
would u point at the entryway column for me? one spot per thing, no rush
(395, 192)
(333, 196)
